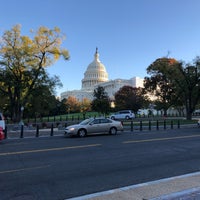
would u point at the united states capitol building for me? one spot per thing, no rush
(96, 75)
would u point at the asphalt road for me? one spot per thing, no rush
(57, 168)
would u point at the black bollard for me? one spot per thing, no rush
(164, 124)
(178, 124)
(6, 132)
(51, 129)
(37, 131)
(131, 125)
(171, 124)
(22, 131)
(141, 126)
(157, 125)
(149, 125)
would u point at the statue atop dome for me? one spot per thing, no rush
(96, 55)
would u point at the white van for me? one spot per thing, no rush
(2, 121)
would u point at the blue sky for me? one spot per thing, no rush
(129, 34)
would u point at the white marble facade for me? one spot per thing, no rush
(96, 75)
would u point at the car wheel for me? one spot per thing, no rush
(82, 133)
(113, 131)
(127, 117)
(113, 118)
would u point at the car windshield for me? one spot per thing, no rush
(86, 121)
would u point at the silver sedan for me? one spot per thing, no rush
(94, 126)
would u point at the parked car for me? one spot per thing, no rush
(123, 114)
(2, 121)
(94, 126)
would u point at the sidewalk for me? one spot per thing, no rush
(185, 187)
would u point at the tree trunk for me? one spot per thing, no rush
(165, 112)
(189, 116)
(189, 108)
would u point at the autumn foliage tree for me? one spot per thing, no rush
(186, 79)
(159, 84)
(72, 104)
(85, 105)
(174, 83)
(23, 61)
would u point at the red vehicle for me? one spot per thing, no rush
(2, 136)
(2, 121)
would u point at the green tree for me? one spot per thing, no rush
(23, 61)
(101, 101)
(62, 108)
(130, 98)
(42, 103)
(4, 105)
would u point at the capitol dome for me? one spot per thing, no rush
(95, 73)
